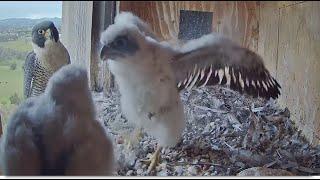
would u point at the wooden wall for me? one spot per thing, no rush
(237, 20)
(76, 30)
(289, 41)
(0, 126)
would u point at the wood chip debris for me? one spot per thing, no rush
(226, 133)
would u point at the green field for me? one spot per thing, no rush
(11, 81)
(20, 45)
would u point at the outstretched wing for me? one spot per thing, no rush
(29, 69)
(213, 60)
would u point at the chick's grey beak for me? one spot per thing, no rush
(103, 53)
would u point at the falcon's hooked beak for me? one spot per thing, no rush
(48, 34)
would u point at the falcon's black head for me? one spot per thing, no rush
(44, 31)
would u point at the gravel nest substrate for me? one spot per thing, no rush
(226, 132)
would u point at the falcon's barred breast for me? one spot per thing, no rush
(36, 76)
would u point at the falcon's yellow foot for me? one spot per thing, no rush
(154, 160)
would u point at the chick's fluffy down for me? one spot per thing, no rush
(57, 133)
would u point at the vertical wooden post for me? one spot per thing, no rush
(103, 15)
(82, 24)
(76, 31)
(0, 126)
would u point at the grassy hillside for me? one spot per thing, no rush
(19, 45)
(11, 81)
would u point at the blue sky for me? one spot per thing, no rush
(30, 9)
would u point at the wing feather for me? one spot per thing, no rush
(226, 63)
(29, 68)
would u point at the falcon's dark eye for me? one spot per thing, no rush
(40, 31)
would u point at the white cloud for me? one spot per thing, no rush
(30, 9)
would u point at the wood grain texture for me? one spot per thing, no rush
(236, 20)
(299, 65)
(268, 35)
(103, 12)
(103, 16)
(1, 132)
(76, 31)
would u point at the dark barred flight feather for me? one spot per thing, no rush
(213, 66)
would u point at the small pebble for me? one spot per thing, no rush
(196, 151)
(138, 164)
(192, 170)
(211, 168)
(163, 172)
(214, 173)
(139, 171)
(179, 170)
(129, 173)
(120, 140)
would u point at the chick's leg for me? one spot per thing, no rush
(154, 160)
(131, 141)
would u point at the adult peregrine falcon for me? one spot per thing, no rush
(47, 57)
(150, 74)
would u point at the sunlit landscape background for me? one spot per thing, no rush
(16, 21)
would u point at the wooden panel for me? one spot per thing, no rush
(236, 20)
(0, 126)
(76, 30)
(105, 74)
(103, 12)
(284, 4)
(268, 35)
(299, 65)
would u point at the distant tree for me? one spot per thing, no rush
(10, 54)
(13, 66)
(3, 103)
(14, 99)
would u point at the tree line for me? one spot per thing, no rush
(8, 37)
(7, 54)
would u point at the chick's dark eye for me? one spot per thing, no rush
(120, 42)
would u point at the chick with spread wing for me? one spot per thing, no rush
(151, 73)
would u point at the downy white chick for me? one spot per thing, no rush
(150, 74)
